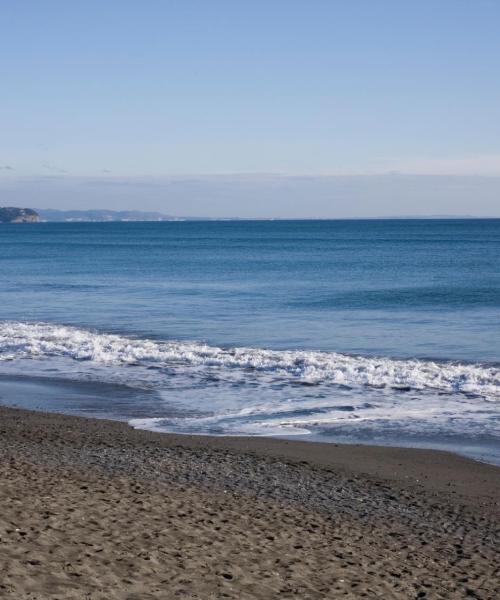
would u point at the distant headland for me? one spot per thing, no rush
(10, 214)
(29, 215)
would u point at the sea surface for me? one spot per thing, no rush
(376, 331)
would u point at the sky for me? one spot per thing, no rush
(265, 108)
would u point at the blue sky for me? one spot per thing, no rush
(116, 91)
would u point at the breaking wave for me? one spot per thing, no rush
(22, 340)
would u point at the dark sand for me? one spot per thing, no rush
(93, 509)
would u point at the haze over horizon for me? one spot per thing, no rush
(270, 196)
(282, 109)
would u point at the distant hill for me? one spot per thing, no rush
(11, 214)
(50, 214)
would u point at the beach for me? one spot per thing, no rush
(95, 509)
(250, 301)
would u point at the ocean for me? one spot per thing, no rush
(363, 331)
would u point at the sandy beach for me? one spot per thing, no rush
(94, 509)
(250, 300)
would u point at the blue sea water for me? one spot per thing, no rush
(385, 331)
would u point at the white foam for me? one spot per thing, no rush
(21, 340)
(429, 414)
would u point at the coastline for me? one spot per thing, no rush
(95, 509)
(90, 399)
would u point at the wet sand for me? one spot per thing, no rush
(94, 509)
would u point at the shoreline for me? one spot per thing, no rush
(442, 470)
(94, 509)
(60, 396)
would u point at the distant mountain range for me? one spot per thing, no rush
(50, 214)
(24, 215)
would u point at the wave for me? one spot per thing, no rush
(23, 340)
(418, 297)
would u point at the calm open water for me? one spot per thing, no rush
(384, 331)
